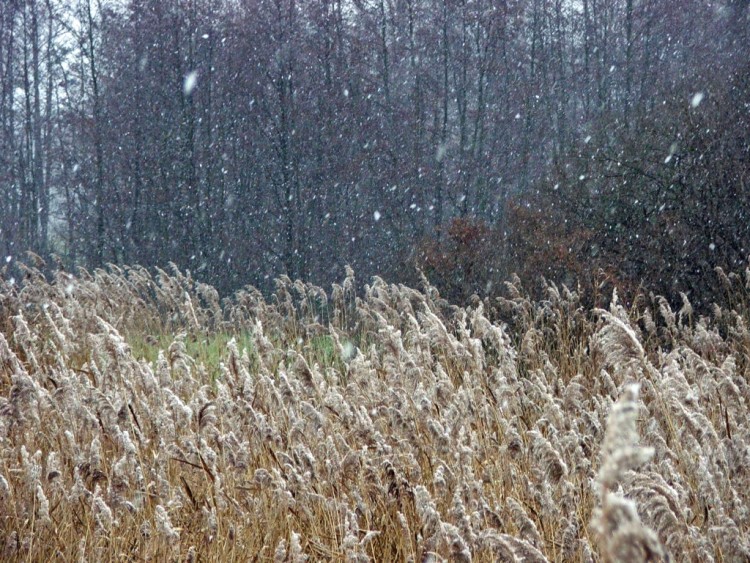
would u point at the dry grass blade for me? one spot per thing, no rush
(142, 418)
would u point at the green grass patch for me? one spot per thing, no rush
(323, 351)
(208, 350)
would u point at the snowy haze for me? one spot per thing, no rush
(247, 139)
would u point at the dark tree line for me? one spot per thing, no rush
(247, 138)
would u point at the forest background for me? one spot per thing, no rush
(585, 141)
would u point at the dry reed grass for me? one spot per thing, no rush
(429, 433)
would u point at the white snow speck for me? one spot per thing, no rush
(348, 351)
(712, 247)
(441, 150)
(376, 216)
(8, 259)
(205, 36)
(191, 80)
(697, 99)
(672, 149)
(587, 139)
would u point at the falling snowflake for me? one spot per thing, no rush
(191, 79)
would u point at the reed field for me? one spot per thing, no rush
(144, 419)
